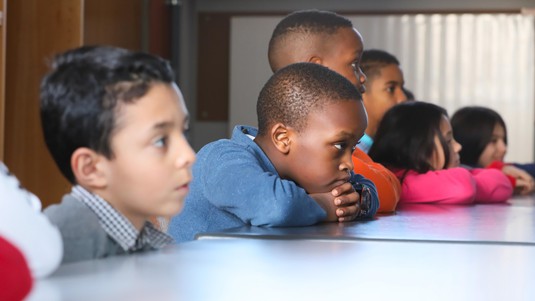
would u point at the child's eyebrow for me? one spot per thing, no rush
(394, 82)
(163, 125)
(344, 135)
(357, 53)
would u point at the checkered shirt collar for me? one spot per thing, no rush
(119, 227)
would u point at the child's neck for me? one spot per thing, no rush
(137, 220)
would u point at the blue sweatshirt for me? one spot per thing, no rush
(235, 184)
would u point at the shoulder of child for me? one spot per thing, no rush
(81, 231)
(73, 214)
(227, 153)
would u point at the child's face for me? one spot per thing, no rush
(320, 155)
(345, 54)
(496, 148)
(383, 91)
(438, 159)
(149, 172)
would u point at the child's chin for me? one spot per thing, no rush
(175, 207)
(323, 189)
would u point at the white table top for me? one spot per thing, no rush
(250, 269)
(511, 223)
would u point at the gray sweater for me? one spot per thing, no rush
(82, 234)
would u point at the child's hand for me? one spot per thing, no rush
(326, 201)
(347, 202)
(341, 204)
(524, 182)
(523, 186)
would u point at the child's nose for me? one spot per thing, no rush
(362, 80)
(502, 146)
(401, 97)
(185, 155)
(457, 146)
(347, 162)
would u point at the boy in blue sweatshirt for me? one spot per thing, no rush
(295, 170)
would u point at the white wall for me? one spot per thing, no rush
(249, 67)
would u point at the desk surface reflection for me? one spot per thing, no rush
(250, 269)
(511, 223)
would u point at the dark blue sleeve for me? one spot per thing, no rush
(529, 168)
(356, 178)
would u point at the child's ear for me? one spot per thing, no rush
(316, 60)
(281, 137)
(87, 167)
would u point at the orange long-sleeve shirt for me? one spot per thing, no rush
(388, 187)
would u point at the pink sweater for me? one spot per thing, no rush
(455, 186)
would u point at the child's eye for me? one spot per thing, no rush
(390, 89)
(161, 142)
(356, 67)
(341, 146)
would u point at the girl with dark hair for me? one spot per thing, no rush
(415, 141)
(483, 134)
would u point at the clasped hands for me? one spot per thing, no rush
(342, 204)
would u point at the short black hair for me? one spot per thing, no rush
(300, 24)
(296, 90)
(81, 94)
(405, 138)
(472, 128)
(373, 60)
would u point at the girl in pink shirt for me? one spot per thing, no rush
(415, 141)
(483, 135)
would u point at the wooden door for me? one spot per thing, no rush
(36, 30)
(116, 23)
(2, 74)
